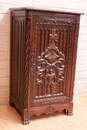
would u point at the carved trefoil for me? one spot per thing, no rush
(50, 68)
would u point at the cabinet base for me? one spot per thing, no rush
(47, 109)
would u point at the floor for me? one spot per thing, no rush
(11, 120)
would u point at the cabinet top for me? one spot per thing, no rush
(47, 10)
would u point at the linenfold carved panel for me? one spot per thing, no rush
(50, 68)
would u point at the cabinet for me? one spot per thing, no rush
(43, 58)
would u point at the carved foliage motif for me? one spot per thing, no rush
(58, 99)
(50, 67)
(64, 19)
(58, 20)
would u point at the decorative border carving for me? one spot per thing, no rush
(59, 100)
(26, 64)
(49, 109)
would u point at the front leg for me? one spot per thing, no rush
(70, 110)
(25, 117)
(25, 121)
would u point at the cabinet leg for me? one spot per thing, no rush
(65, 111)
(70, 112)
(26, 121)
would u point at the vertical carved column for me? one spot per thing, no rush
(26, 65)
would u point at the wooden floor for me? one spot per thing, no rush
(11, 120)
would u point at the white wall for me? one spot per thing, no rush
(71, 5)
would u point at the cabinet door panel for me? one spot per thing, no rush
(51, 52)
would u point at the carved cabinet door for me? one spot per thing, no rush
(51, 57)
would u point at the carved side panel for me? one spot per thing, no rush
(17, 54)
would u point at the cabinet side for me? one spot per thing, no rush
(74, 53)
(17, 59)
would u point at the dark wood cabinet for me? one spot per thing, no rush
(43, 58)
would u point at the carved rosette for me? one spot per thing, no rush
(50, 67)
(49, 110)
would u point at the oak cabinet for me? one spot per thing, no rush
(43, 58)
